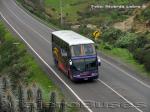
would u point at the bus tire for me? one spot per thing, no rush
(55, 62)
(70, 77)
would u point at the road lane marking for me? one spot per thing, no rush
(113, 65)
(120, 95)
(129, 75)
(29, 26)
(47, 65)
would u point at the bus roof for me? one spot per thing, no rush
(71, 37)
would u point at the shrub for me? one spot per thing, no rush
(107, 46)
(146, 14)
(2, 31)
(126, 41)
(142, 55)
(146, 59)
(138, 54)
(111, 35)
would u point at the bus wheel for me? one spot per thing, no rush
(70, 77)
(55, 62)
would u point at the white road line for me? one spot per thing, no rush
(139, 81)
(28, 26)
(120, 95)
(47, 65)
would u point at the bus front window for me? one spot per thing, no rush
(83, 50)
(89, 49)
(91, 64)
(82, 65)
(76, 50)
(78, 65)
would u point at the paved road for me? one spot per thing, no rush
(117, 90)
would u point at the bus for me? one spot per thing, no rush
(75, 55)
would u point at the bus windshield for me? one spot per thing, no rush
(82, 65)
(83, 50)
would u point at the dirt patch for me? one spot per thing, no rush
(125, 25)
(132, 23)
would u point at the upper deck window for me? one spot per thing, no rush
(83, 50)
(88, 49)
(76, 50)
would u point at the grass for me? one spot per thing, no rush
(71, 7)
(25, 67)
(69, 11)
(38, 76)
(33, 72)
(126, 57)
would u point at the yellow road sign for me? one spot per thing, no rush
(96, 34)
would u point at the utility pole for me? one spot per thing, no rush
(61, 13)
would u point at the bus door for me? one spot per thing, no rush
(64, 64)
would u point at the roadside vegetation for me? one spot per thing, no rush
(128, 44)
(26, 99)
(124, 31)
(20, 67)
(18, 64)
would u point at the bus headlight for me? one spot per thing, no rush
(94, 74)
(70, 62)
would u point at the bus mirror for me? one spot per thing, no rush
(99, 61)
(70, 62)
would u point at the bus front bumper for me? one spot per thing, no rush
(92, 76)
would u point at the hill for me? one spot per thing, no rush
(124, 24)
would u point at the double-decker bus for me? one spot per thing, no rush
(75, 55)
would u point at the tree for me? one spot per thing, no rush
(52, 105)
(39, 100)
(21, 99)
(62, 106)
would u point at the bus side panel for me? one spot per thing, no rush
(59, 59)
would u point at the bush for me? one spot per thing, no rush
(146, 59)
(111, 35)
(142, 55)
(127, 40)
(146, 14)
(2, 31)
(83, 30)
(107, 46)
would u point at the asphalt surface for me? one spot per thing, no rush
(116, 90)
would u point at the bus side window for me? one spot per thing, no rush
(63, 53)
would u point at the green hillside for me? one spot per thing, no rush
(124, 30)
(72, 8)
